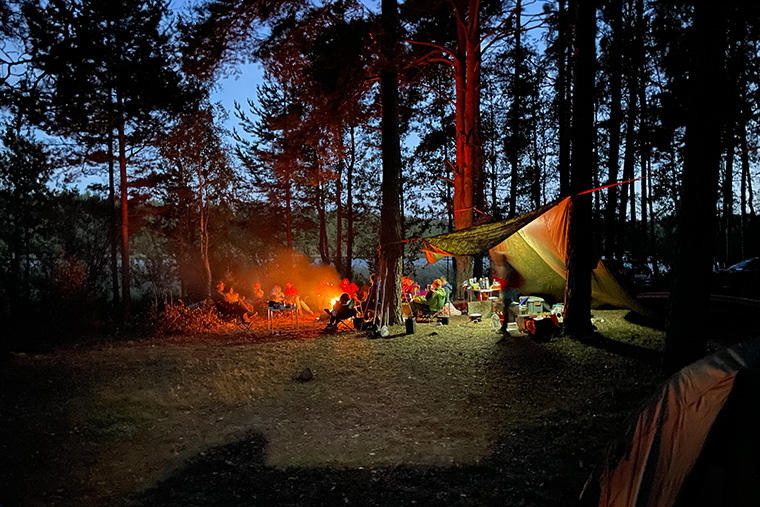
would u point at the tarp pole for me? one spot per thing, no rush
(380, 293)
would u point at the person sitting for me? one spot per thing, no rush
(231, 296)
(292, 296)
(349, 288)
(342, 309)
(432, 302)
(409, 288)
(259, 304)
(445, 285)
(258, 292)
(230, 303)
(277, 295)
(217, 296)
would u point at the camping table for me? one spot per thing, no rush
(290, 313)
(471, 294)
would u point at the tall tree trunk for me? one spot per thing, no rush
(203, 215)
(728, 193)
(495, 209)
(468, 177)
(474, 145)
(685, 337)
(339, 224)
(350, 209)
(490, 159)
(391, 247)
(27, 285)
(645, 151)
(324, 251)
(515, 117)
(651, 241)
(580, 253)
(537, 168)
(613, 160)
(564, 78)
(674, 189)
(289, 212)
(124, 190)
(113, 224)
(629, 161)
(644, 147)
(745, 186)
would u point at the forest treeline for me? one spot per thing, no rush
(489, 116)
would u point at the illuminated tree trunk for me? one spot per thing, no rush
(391, 247)
(580, 238)
(124, 190)
(468, 176)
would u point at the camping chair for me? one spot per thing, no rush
(347, 313)
(245, 325)
(433, 309)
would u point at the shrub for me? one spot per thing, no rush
(181, 319)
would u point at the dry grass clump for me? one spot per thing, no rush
(180, 319)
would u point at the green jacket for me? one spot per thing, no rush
(437, 300)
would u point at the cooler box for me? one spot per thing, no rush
(532, 305)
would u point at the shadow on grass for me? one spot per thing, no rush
(655, 321)
(236, 475)
(642, 354)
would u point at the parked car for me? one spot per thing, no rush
(635, 276)
(742, 279)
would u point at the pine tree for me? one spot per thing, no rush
(198, 177)
(107, 66)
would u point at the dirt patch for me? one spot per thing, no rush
(456, 414)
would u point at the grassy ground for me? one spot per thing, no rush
(451, 415)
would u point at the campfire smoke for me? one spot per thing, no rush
(316, 285)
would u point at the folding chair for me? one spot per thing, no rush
(349, 312)
(432, 310)
(245, 325)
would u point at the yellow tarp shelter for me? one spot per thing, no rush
(535, 244)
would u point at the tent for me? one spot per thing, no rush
(693, 443)
(535, 244)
